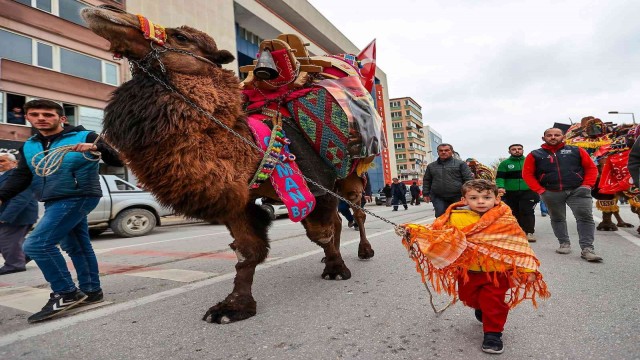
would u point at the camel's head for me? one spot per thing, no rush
(124, 32)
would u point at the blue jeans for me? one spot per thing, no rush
(543, 208)
(345, 210)
(580, 202)
(65, 222)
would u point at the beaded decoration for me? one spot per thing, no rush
(272, 156)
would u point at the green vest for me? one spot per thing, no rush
(509, 176)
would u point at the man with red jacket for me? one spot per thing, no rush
(564, 175)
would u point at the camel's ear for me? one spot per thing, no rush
(222, 57)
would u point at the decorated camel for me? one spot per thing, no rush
(208, 146)
(480, 170)
(609, 145)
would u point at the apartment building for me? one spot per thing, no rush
(46, 51)
(412, 153)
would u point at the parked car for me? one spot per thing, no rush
(274, 209)
(125, 208)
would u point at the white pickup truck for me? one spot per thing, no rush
(125, 208)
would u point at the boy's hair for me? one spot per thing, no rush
(512, 145)
(479, 185)
(44, 104)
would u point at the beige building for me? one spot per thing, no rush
(46, 51)
(412, 152)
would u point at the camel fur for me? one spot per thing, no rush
(195, 166)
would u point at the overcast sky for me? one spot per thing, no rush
(489, 73)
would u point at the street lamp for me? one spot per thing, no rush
(633, 117)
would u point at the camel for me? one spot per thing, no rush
(607, 142)
(196, 165)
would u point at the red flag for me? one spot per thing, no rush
(367, 58)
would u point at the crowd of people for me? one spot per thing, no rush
(555, 176)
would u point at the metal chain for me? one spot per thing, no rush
(155, 55)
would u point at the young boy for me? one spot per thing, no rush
(478, 246)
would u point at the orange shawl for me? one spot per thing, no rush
(443, 253)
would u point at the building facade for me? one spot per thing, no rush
(47, 52)
(409, 140)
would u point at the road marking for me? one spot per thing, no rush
(180, 275)
(116, 308)
(632, 238)
(100, 251)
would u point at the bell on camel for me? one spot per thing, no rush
(266, 67)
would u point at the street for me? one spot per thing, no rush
(158, 287)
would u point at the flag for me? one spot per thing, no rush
(367, 58)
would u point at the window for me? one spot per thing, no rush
(407, 112)
(80, 65)
(396, 125)
(400, 156)
(402, 167)
(20, 48)
(33, 52)
(395, 104)
(45, 55)
(398, 136)
(110, 73)
(399, 146)
(70, 10)
(91, 118)
(44, 5)
(65, 9)
(396, 114)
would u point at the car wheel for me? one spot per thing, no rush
(95, 232)
(269, 209)
(133, 222)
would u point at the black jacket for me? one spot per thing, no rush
(445, 178)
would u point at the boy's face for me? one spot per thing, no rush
(480, 202)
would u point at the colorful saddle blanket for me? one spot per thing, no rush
(326, 126)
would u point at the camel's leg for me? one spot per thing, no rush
(607, 224)
(323, 227)
(621, 223)
(251, 244)
(351, 188)
(365, 251)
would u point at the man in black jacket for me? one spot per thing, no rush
(443, 179)
(398, 191)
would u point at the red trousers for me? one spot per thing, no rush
(481, 293)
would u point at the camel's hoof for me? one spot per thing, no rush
(337, 272)
(625, 225)
(233, 308)
(365, 252)
(607, 227)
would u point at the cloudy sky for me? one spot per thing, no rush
(489, 73)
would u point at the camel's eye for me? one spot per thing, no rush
(180, 37)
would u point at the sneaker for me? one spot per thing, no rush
(590, 255)
(544, 214)
(492, 343)
(57, 304)
(564, 248)
(531, 238)
(478, 314)
(93, 297)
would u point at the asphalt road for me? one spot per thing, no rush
(159, 286)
